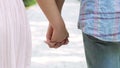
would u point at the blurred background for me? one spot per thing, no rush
(68, 56)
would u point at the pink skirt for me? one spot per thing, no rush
(15, 35)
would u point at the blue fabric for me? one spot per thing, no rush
(101, 54)
(101, 19)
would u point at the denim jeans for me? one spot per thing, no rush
(101, 54)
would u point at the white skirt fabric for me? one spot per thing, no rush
(15, 35)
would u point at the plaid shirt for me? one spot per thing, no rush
(101, 19)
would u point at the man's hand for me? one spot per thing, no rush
(56, 36)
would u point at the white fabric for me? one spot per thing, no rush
(15, 35)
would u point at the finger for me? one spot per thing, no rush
(58, 45)
(55, 45)
(63, 42)
(66, 42)
(50, 44)
(49, 32)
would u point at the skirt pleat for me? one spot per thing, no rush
(15, 35)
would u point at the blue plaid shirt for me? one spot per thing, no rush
(101, 19)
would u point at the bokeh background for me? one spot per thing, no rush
(68, 56)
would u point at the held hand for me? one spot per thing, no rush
(59, 34)
(52, 10)
(57, 44)
(56, 37)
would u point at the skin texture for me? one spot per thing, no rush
(57, 34)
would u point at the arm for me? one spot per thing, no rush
(59, 4)
(52, 10)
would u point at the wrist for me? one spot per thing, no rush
(59, 25)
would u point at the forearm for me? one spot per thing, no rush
(51, 11)
(60, 4)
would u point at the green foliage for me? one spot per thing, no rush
(29, 3)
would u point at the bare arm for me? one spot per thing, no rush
(50, 9)
(60, 4)
(57, 32)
